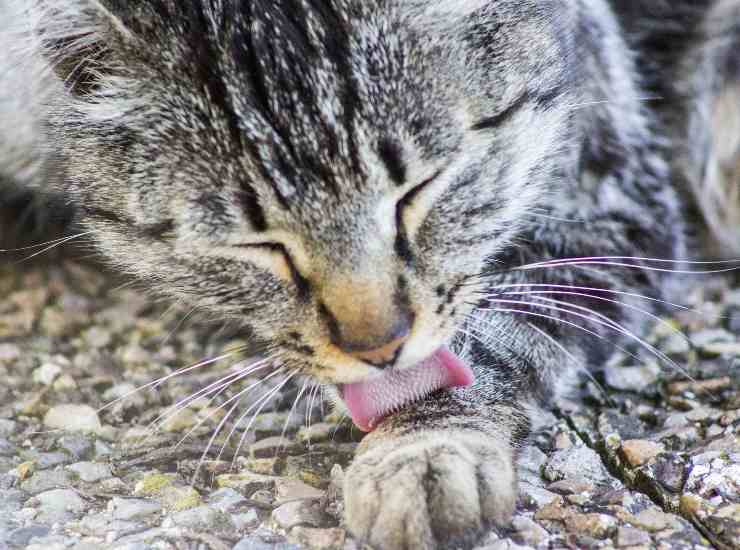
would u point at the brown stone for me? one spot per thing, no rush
(639, 451)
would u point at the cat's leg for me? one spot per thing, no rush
(436, 475)
(441, 471)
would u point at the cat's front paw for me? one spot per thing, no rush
(437, 490)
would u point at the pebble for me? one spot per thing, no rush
(633, 379)
(60, 504)
(90, 472)
(528, 532)
(255, 543)
(629, 536)
(46, 374)
(9, 353)
(205, 518)
(74, 418)
(579, 464)
(598, 526)
(318, 539)
(133, 508)
(226, 499)
(273, 446)
(293, 489)
(299, 512)
(639, 451)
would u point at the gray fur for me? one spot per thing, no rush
(191, 133)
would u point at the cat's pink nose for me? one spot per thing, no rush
(385, 353)
(370, 340)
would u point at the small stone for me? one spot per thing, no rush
(653, 520)
(247, 520)
(553, 511)
(722, 348)
(532, 496)
(318, 539)
(178, 499)
(639, 451)
(633, 379)
(226, 499)
(629, 536)
(46, 374)
(299, 512)
(7, 427)
(65, 382)
(293, 489)
(133, 508)
(90, 472)
(47, 480)
(670, 472)
(578, 463)
(153, 484)
(246, 483)
(183, 420)
(528, 532)
(25, 470)
(273, 446)
(76, 445)
(254, 543)
(59, 501)
(562, 441)
(20, 538)
(598, 526)
(568, 487)
(74, 418)
(97, 337)
(317, 433)
(205, 518)
(9, 354)
(264, 466)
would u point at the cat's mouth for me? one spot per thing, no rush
(372, 400)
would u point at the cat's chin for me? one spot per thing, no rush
(372, 400)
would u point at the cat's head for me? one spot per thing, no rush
(333, 174)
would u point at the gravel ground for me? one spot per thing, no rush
(646, 457)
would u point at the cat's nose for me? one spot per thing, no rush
(370, 341)
(385, 353)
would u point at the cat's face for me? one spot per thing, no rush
(332, 174)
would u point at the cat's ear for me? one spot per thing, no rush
(81, 40)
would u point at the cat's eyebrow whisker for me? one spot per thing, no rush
(621, 261)
(599, 319)
(160, 381)
(594, 289)
(557, 320)
(656, 318)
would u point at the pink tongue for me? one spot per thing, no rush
(369, 401)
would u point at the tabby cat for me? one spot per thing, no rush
(441, 210)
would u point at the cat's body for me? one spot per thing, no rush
(362, 182)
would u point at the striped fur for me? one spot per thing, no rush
(272, 161)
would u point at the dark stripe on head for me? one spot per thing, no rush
(391, 154)
(504, 116)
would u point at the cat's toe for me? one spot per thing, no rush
(435, 492)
